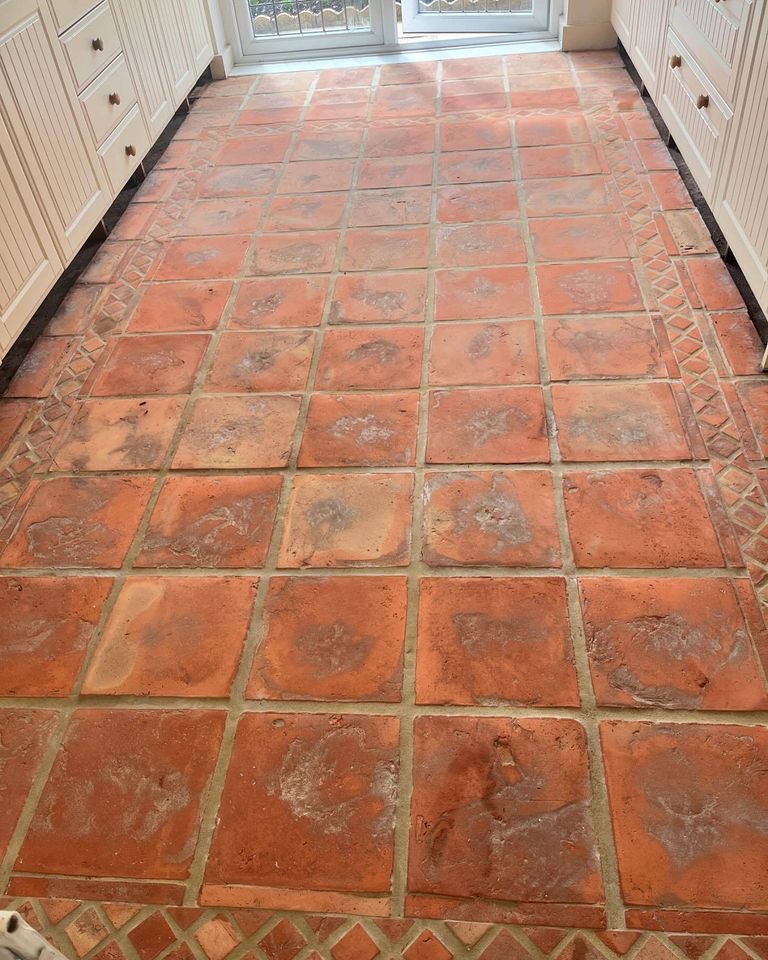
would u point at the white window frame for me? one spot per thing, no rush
(533, 21)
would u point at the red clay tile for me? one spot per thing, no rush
(475, 166)
(415, 100)
(640, 518)
(589, 288)
(316, 176)
(211, 522)
(399, 73)
(469, 202)
(78, 522)
(39, 368)
(151, 936)
(479, 245)
(568, 195)
(379, 298)
(327, 145)
(714, 284)
(670, 190)
(398, 171)
(427, 946)
(573, 160)
(186, 305)
(136, 221)
(315, 211)
(331, 638)
(249, 180)
(282, 942)
(323, 789)
(221, 217)
(482, 293)
(86, 931)
(612, 421)
(276, 253)
(360, 429)
(492, 425)
(753, 397)
(395, 206)
(218, 938)
(148, 364)
(594, 347)
(124, 434)
(490, 518)
(355, 945)
(238, 433)
(515, 824)
(505, 947)
(484, 353)
(565, 96)
(495, 640)
(49, 624)
(739, 341)
(347, 520)
(541, 131)
(279, 302)
(173, 637)
(261, 116)
(376, 248)
(370, 359)
(75, 312)
(688, 231)
(12, 415)
(25, 735)
(474, 134)
(578, 238)
(239, 150)
(122, 798)
(261, 362)
(686, 802)
(388, 141)
(678, 644)
(202, 258)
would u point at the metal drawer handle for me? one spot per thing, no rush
(130, 150)
(114, 99)
(702, 101)
(676, 61)
(97, 44)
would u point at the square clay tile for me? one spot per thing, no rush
(688, 804)
(360, 429)
(78, 522)
(483, 293)
(279, 302)
(315, 211)
(202, 258)
(479, 245)
(389, 141)
(238, 433)
(385, 249)
(475, 166)
(331, 638)
(317, 176)
(75, 312)
(123, 798)
(184, 305)
(490, 518)
(12, 415)
(739, 341)
(673, 643)
(211, 522)
(588, 288)
(377, 173)
(40, 368)
(578, 238)
(469, 202)
(568, 195)
(53, 620)
(456, 103)
(491, 425)
(466, 68)
(484, 353)
(587, 348)
(639, 518)
(516, 824)
(323, 791)
(348, 520)
(495, 640)
(221, 217)
(278, 253)
(395, 206)
(538, 97)
(327, 145)
(269, 362)
(670, 190)
(249, 180)
(713, 282)
(475, 134)
(24, 735)
(147, 364)
(379, 298)
(238, 150)
(125, 434)
(543, 131)
(573, 160)
(380, 359)
(415, 100)
(617, 421)
(400, 73)
(173, 637)
(753, 397)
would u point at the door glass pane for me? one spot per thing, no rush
(476, 6)
(287, 18)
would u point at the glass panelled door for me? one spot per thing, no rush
(475, 16)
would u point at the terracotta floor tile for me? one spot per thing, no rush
(12, 415)
(238, 433)
(674, 643)
(279, 302)
(250, 180)
(151, 363)
(276, 253)
(753, 397)
(341, 77)
(475, 134)
(39, 368)
(185, 305)
(415, 100)
(124, 434)
(639, 518)
(202, 258)
(655, 155)
(479, 245)
(578, 238)
(482, 293)
(75, 312)
(399, 73)
(78, 522)
(24, 734)
(262, 116)
(53, 620)
(476, 166)
(521, 806)
(211, 522)
(456, 104)
(377, 359)
(375, 248)
(173, 637)
(568, 195)
(396, 206)
(670, 190)
(469, 202)
(574, 160)
(331, 638)
(490, 518)
(360, 429)
(491, 425)
(272, 362)
(315, 211)
(379, 298)
(660, 777)
(594, 347)
(324, 790)
(242, 150)
(542, 131)
(589, 288)
(347, 520)
(468, 67)
(240, 215)
(280, 82)
(378, 173)
(122, 799)
(490, 641)
(316, 176)
(330, 145)
(385, 141)
(713, 283)
(739, 341)
(484, 353)
(610, 421)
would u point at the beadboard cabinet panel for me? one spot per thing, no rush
(175, 49)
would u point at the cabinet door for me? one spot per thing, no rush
(622, 14)
(648, 30)
(174, 46)
(29, 263)
(41, 109)
(199, 34)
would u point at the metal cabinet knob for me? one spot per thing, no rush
(114, 99)
(676, 61)
(702, 101)
(97, 43)
(130, 150)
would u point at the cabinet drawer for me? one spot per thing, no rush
(109, 98)
(68, 12)
(91, 44)
(714, 31)
(125, 149)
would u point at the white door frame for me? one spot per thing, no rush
(538, 18)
